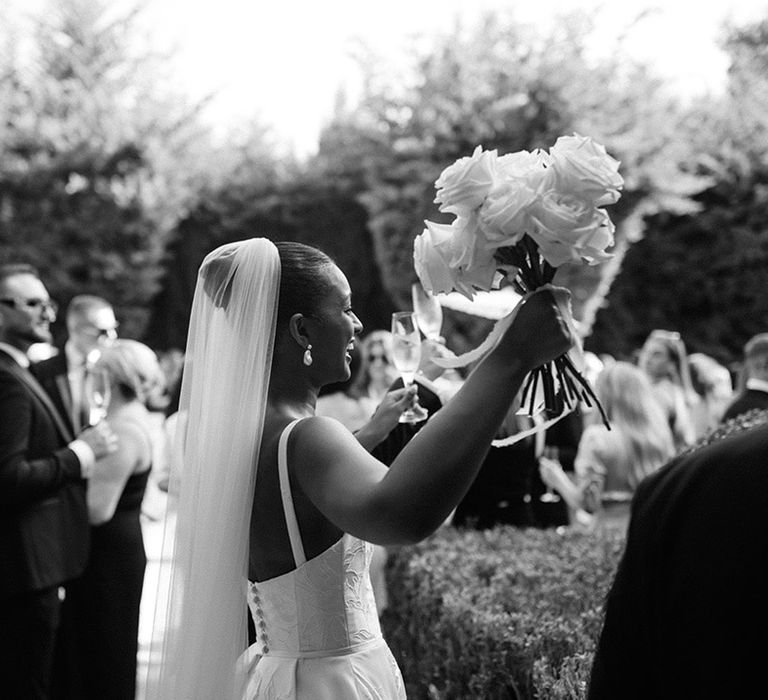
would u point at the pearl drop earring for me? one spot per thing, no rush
(308, 356)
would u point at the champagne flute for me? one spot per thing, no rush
(549, 496)
(97, 395)
(429, 313)
(406, 355)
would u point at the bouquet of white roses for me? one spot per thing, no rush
(523, 215)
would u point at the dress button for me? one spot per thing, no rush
(262, 624)
(266, 649)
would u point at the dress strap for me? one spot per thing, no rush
(285, 491)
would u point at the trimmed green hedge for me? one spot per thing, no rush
(500, 613)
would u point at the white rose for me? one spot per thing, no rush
(473, 261)
(582, 167)
(568, 228)
(504, 215)
(453, 258)
(462, 186)
(432, 252)
(533, 167)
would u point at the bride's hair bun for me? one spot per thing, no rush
(217, 273)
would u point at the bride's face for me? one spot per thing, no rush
(337, 330)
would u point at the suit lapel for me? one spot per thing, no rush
(26, 378)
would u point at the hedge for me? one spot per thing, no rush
(501, 613)
(506, 613)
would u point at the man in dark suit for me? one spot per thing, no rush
(43, 516)
(687, 615)
(91, 325)
(755, 393)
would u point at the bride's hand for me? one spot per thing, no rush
(539, 332)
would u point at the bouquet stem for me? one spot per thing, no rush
(562, 384)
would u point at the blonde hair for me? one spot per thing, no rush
(360, 383)
(637, 420)
(133, 367)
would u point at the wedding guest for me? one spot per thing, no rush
(754, 392)
(91, 326)
(664, 359)
(430, 397)
(271, 324)
(611, 463)
(561, 441)
(712, 382)
(43, 516)
(593, 365)
(105, 600)
(171, 362)
(687, 612)
(356, 401)
(501, 492)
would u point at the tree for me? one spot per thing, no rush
(91, 170)
(704, 273)
(508, 86)
(259, 195)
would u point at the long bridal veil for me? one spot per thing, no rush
(200, 616)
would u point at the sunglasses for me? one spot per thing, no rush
(378, 356)
(100, 333)
(46, 305)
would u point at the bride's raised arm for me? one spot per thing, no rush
(429, 477)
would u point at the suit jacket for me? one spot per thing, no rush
(687, 614)
(44, 532)
(53, 377)
(747, 401)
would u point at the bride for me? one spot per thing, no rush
(278, 505)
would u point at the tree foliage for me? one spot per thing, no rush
(92, 143)
(261, 197)
(110, 186)
(507, 85)
(704, 273)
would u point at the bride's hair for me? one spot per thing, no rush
(302, 278)
(217, 274)
(303, 282)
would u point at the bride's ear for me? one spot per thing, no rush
(297, 327)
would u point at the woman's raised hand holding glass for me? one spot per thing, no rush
(406, 355)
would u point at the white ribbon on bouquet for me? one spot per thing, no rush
(562, 298)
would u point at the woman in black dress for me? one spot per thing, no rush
(105, 601)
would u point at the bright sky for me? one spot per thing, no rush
(284, 60)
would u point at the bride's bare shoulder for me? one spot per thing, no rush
(320, 434)
(307, 431)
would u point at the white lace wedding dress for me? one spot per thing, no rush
(317, 630)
